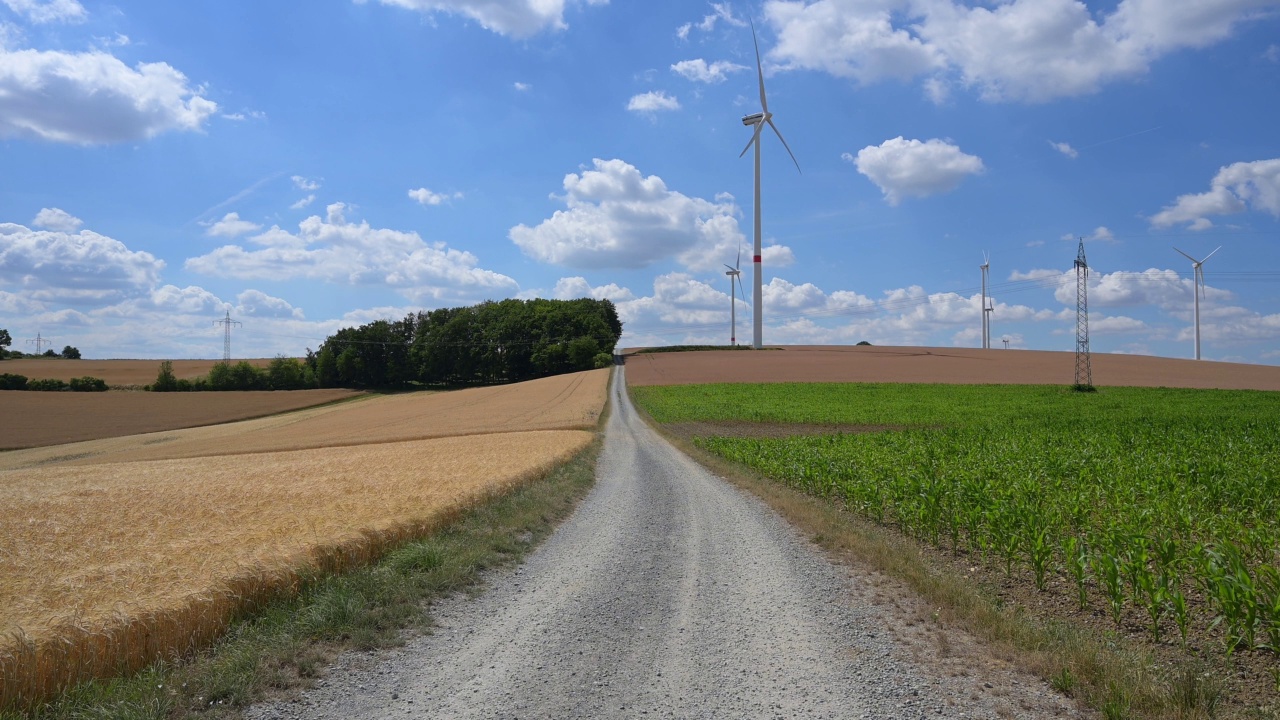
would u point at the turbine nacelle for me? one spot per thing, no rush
(755, 118)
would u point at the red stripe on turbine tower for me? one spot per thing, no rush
(757, 258)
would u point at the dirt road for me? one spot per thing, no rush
(668, 594)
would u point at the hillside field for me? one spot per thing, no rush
(114, 372)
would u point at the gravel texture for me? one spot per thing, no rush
(671, 594)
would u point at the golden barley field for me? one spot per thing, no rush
(109, 562)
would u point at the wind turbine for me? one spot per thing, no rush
(735, 274)
(759, 120)
(1197, 266)
(986, 320)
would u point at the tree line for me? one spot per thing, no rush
(493, 342)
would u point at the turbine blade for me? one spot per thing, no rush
(738, 263)
(754, 137)
(1186, 255)
(740, 293)
(785, 145)
(764, 103)
(1206, 257)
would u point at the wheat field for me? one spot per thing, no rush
(108, 562)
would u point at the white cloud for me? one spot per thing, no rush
(1116, 325)
(1013, 50)
(699, 70)
(303, 202)
(338, 251)
(516, 18)
(617, 218)
(522, 87)
(1065, 149)
(57, 219)
(94, 98)
(910, 168)
(849, 38)
(1234, 189)
(231, 226)
(570, 288)
(1101, 234)
(49, 11)
(305, 184)
(256, 303)
(719, 11)
(1272, 53)
(652, 102)
(83, 267)
(427, 197)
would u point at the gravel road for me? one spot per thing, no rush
(670, 593)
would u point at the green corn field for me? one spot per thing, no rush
(1161, 501)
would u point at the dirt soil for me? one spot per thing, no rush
(963, 366)
(37, 419)
(114, 372)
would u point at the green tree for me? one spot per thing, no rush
(5, 341)
(165, 381)
(70, 353)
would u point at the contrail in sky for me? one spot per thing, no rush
(238, 196)
(1122, 137)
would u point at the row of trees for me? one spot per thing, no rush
(11, 381)
(492, 342)
(281, 374)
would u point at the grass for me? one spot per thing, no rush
(1039, 482)
(285, 644)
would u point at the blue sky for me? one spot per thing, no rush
(309, 166)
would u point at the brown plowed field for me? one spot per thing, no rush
(114, 372)
(963, 366)
(35, 419)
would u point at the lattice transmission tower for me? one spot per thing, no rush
(40, 341)
(1084, 370)
(226, 338)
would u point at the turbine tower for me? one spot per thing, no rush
(735, 275)
(758, 120)
(986, 319)
(1197, 289)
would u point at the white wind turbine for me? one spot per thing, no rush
(986, 318)
(759, 120)
(735, 275)
(1197, 266)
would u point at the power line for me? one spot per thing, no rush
(39, 342)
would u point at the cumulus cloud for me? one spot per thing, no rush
(49, 11)
(83, 267)
(1234, 189)
(617, 218)
(305, 184)
(427, 197)
(1015, 50)
(336, 250)
(94, 98)
(255, 303)
(699, 70)
(57, 219)
(1101, 234)
(652, 102)
(910, 168)
(571, 288)
(516, 18)
(231, 226)
(303, 202)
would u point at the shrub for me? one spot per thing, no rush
(9, 381)
(88, 384)
(47, 385)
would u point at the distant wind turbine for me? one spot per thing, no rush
(735, 275)
(759, 120)
(1197, 266)
(986, 319)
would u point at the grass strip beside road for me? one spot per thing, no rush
(1135, 449)
(284, 646)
